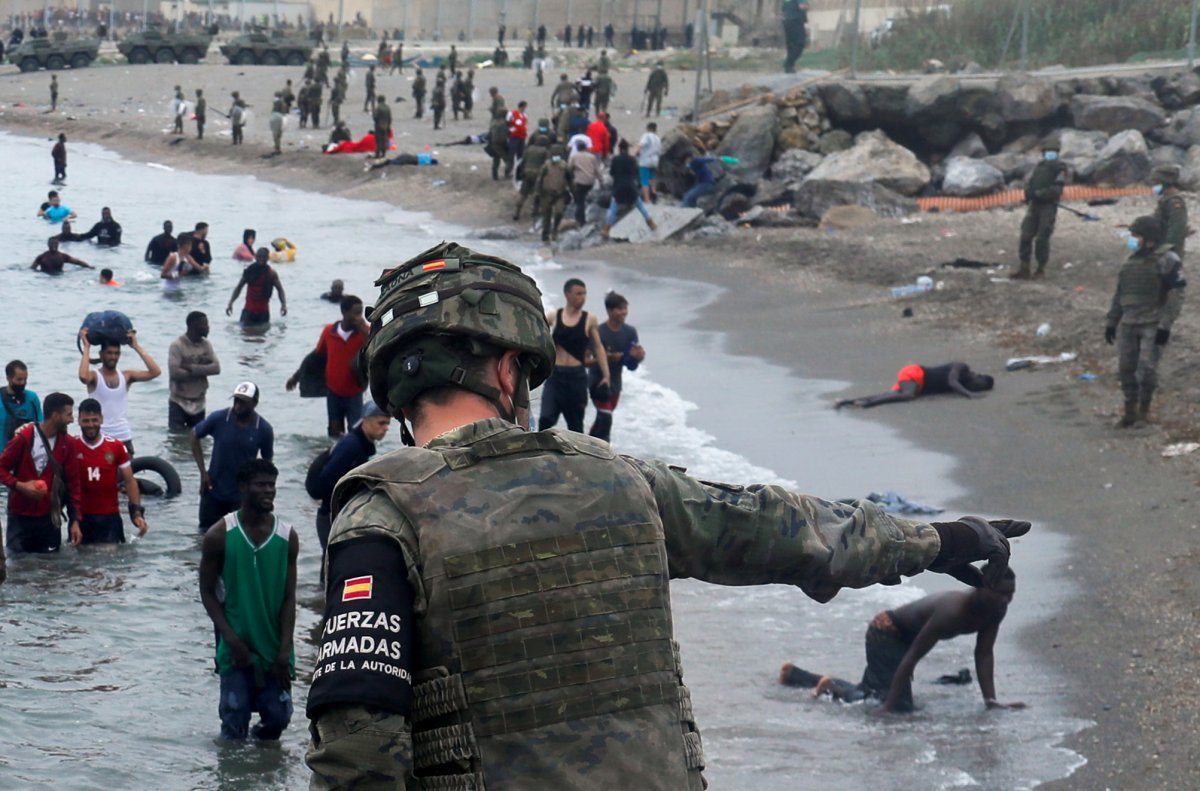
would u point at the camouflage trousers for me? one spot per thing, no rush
(528, 187)
(1038, 226)
(1137, 360)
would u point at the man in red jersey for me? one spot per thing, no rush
(339, 343)
(101, 458)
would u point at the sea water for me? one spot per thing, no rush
(107, 677)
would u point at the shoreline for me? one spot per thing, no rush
(1143, 738)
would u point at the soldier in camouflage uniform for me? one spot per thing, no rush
(658, 85)
(1147, 301)
(336, 97)
(498, 145)
(456, 95)
(1042, 193)
(1172, 208)
(314, 104)
(605, 88)
(369, 101)
(323, 62)
(553, 188)
(303, 102)
(537, 151)
(383, 127)
(201, 113)
(469, 93)
(497, 600)
(438, 102)
(418, 93)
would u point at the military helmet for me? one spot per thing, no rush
(1051, 143)
(441, 305)
(1167, 175)
(1147, 227)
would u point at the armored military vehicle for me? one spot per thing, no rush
(267, 49)
(148, 46)
(54, 53)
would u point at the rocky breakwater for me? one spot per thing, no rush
(818, 145)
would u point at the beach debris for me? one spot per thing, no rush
(1043, 330)
(1087, 376)
(1017, 363)
(924, 283)
(1180, 449)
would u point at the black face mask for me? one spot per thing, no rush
(18, 391)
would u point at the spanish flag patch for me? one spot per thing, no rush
(357, 588)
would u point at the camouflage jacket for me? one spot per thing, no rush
(1150, 289)
(539, 568)
(1172, 213)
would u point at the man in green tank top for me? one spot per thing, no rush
(254, 555)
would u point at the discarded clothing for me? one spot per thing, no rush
(895, 503)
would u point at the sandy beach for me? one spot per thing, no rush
(1040, 447)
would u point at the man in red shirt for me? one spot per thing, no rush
(518, 130)
(339, 343)
(597, 131)
(101, 458)
(30, 473)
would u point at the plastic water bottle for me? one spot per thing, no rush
(907, 291)
(1043, 330)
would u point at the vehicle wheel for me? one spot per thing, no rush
(189, 55)
(295, 59)
(170, 485)
(29, 64)
(80, 60)
(164, 55)
(245, 58)
(55, 62)
(270, 59)
(139, 55)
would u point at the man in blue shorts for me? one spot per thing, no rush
(239, 434)
(649, 149)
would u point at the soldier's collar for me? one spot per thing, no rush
(472, 432)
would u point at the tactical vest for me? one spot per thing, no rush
(1139, 283)
(554, 182)
(545, 652)
(536, 156)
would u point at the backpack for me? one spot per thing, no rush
(313, 477)
(105, 325)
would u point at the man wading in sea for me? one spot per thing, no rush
(110, 386)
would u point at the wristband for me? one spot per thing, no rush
(136, 510)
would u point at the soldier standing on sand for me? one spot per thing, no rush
(201, 113)
(536, 154)
(1042, 193)
(398, 59)
(658, 85)
(564, 93)
(383, 126)
(498, 145)
(605, 88)
(179, 105)
(540, 64)
(511, 588)
(452, 59)
(1172, 208)
(438, 102)
(553, 187)
(314, 105)
(345, 52)
(469, 93)
(53, 92)
(418, 93)
(336, 97)
(369, 102)
(323, 62)
(1147, 301)
(303, 102)
(456, 95)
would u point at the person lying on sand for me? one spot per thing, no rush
(919, 380)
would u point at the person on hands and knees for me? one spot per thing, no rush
(251, 554)
(898, 639)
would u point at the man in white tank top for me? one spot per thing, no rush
(110, 386)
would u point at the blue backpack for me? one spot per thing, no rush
(105, 325)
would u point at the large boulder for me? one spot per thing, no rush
(1190, 178)
(815, 198)
(1021, 97)
(845, 102)
(970, 146)
(1182, 130)
(751, 140)
(874, 158)
(1113, 114)
(1168, 155)
(1123, 161)
(888, 102)
(835, 140)
(794, 165)
(968, 177)
(1014, 165)
(1178, 90)
(932, 97)
(1080, 149)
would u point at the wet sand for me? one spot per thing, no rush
(1040, 447)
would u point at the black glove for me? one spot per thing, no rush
(971, 539)
(1110, 335)
(1161, 337)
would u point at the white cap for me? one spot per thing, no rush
(246, 390)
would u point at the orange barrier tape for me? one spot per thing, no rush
(1076, 192)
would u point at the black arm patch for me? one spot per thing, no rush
(366, 648)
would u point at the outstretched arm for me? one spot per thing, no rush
(927, 638)
(985, 665)
(957, 370)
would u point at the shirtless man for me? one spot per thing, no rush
(110, 386)
(51, 262)
(898, 639)
(566, 391)
(919, 380)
